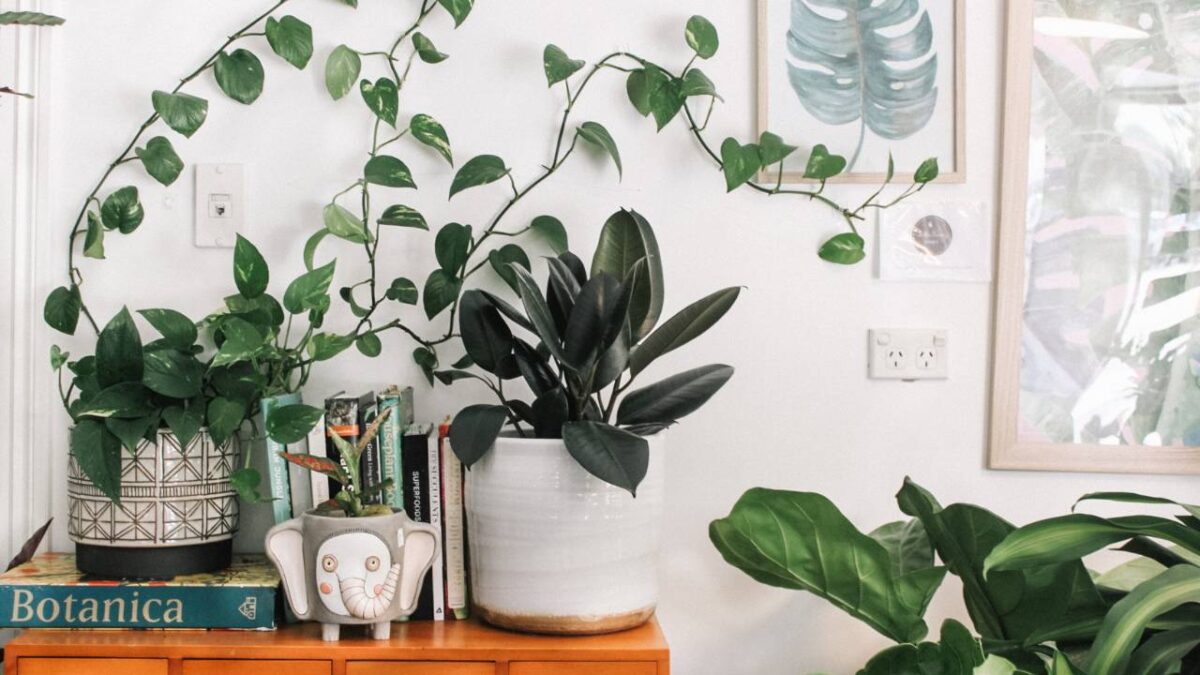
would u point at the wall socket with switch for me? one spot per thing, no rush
(908, 354)
(220, 204)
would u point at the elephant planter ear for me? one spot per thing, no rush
(285, 547)
(420, 542)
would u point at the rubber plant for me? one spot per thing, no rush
(1031, 614)
(595, 332)
(27, 19)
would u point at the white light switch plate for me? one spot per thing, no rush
(220, 204)
(908, 354)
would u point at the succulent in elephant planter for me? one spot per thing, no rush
(347, 562)
(564, 509)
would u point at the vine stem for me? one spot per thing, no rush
(73, 272)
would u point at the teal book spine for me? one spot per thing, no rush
(391, 436)
(277, 468)
(93, 606)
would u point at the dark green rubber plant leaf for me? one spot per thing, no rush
(843, 66)
(485, 335)
(626, 240)
(613, 455)
(690, 323)
(801, 541)
(674, 398)
(474, 431)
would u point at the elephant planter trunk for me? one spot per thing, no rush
(352, 571)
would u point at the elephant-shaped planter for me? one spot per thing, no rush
(352, 571)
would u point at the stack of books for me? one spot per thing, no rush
(426, 481)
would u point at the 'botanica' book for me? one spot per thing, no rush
(48, 592)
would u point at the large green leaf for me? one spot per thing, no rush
(441, 290)
(503, 258)
(430, 132)
(958, 653)
(485, 335)
(1072, 537)
(242, 342)
(388, 171)
(160, 161)
(125, 400)
(122, 211)
(802, 541)
(451, 246)
(653, 91)
(185, 423)
(558, 65)
(1161, 653)
(1002, 605)
(626, 239)
(184, 113)
(119, 351)
(98, 454)
(687, 325)
(674, 398)
(599, 312)
(62, 308)
(291, 39)
(596, 134)
(291, 423)
(1133, 498)
(341, 71)
(613, 455)
(132, 432)
(250, 272)
(843, 66)
(307, 291)
(345, 225)
(173, 373)
(553, 231)
(474, 431)
(907, 545)
(382, 97)
(224, 417)
(539, 314)
(1129, 617)
(478, 171)
(739, 163)
(240, 75)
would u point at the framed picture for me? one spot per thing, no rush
(866, 79)
(1097, 352)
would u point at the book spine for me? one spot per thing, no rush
(84, 606)
(370, 465)
(435, 519)
(453, 530)
(416, 505)
(389, 450)
(278, 481)
(318, 484)
(341, 419)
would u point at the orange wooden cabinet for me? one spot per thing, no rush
(421, 648)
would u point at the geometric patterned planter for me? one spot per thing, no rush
(178, 510)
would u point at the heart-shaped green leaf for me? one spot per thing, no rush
(382, 97)
(98, 454)
(772, 149)
(388, 171)
(427, 360)
(62, 308)
(185, 423)
(291, 39)
(458, 9)
(307, 291)
(291, 423)
(696, 83)
(250, 272)
(480, 170)
(341, 223)
(597, 135)
(224, 418)
(369, 345)
(558, 65)
(503, 258)
(822, 165)
(243, 341)
(428, 131)
(553, 231)
(119, 351)
(122, 211)
(160, 161)
(403, 291)
(739, 162)
(132, 433)
(927, 172)
(240, 75)
(184, 113)
(451, 246)
(173, 373)
(427, 50)
(441, 290)
(325, 346)
(844, 249)
(176, 329)
(93, 240)
(400, 215)
(341, 71)
(702, 37)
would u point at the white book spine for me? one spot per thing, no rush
(318, 481)
(435, 519)
(453, 547)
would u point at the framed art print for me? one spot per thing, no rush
(1097, 361)
(868, 79)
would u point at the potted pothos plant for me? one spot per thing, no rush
(565, 491)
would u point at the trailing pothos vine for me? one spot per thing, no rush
(260, 346)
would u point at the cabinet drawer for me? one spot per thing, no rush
(583, 668)
(39, 666)
(256, 667)
(420, 668)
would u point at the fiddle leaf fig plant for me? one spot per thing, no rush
(579, 345)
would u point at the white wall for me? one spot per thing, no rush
(799, 414)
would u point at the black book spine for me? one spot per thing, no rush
(370, 465)
(415, 461)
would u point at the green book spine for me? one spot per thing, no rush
(391, 435)
(277, 468)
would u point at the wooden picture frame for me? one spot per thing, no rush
(959, 79)
(1008, 451)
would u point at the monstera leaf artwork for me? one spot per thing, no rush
(864, 61)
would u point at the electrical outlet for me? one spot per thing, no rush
(907, 354)
(220, 204)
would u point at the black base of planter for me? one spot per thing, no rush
(152, 563)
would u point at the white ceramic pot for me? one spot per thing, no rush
(556, 550)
